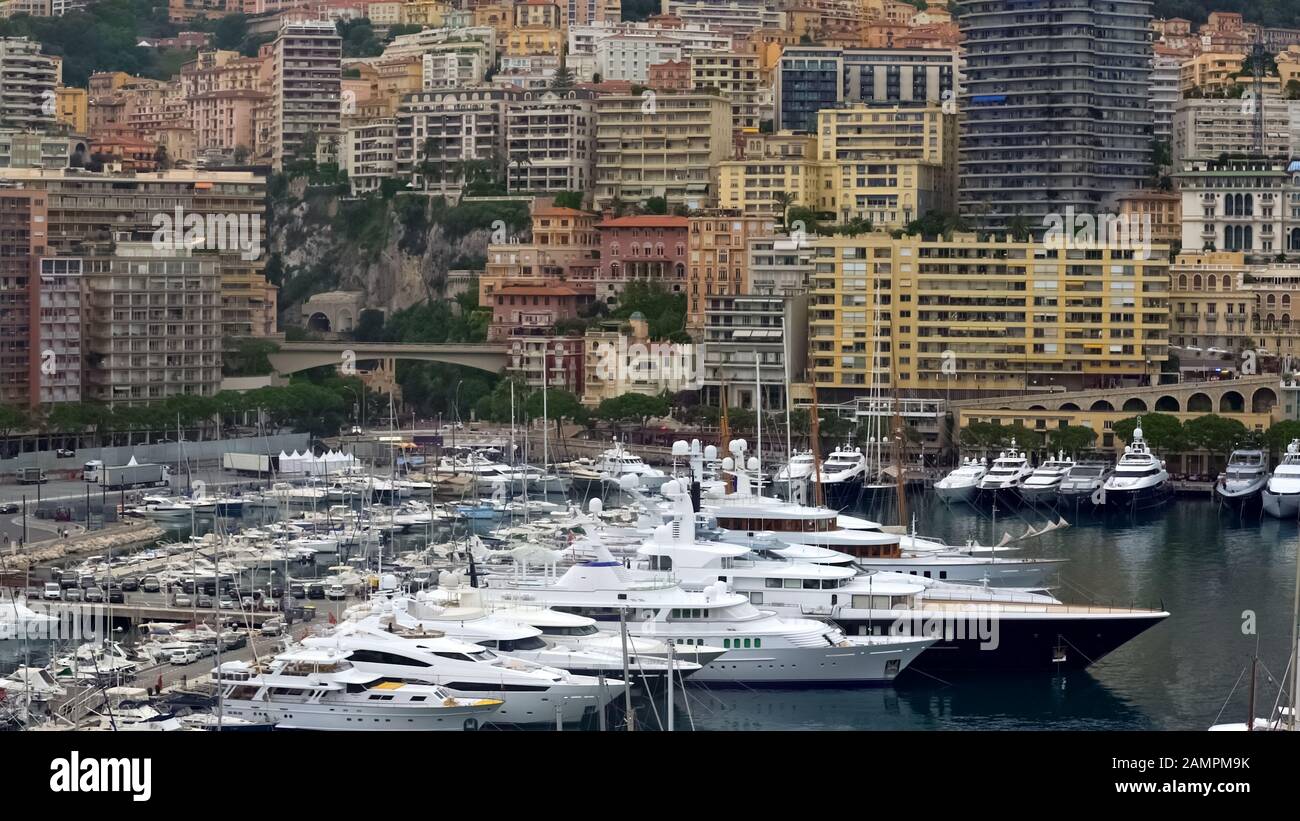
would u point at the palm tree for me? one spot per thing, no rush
(784, 201)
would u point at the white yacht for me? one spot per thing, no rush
(18, 621)
(1244, 479)
(763, 648)
(794, 480)
(960, 483)
(617, 462)
(1281, 496)
(321, 689)
(1007, 473)
(1043, 485)
(532, 692)
(1081, 486)
(842, 476)
(35, 683)
(1140, 480)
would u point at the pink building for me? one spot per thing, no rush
(641, 248)
(533, 310)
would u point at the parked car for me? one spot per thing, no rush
(298, 591)
(10, 507)
(184, 655)
(116, 596)
(272, 627)
(64, 453)
(182, 600)
(130, 584)
(52, 591)
(316, 591)
(204, 600)
(72, 594)
(94, 594)
(150, 584)
(68, 583)
(87, 582)
(226, 603)
(336, 592)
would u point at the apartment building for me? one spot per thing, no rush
(1221, 305)
(1250, 205)
(37, 149)
(481, 39)
(968, 316)
(305, 86)
(72, 108)
(737, 78)
(23, 236)
(641, 248)
(1207, 128)
(153, 324)
(719, 260)
(1164, 91)
(748, 338)
(223, 91)
(564, 249)
(551, 141)
(369, 154)
(28, 80)
(888, 165)
(812, 78)
(437, 132)
(731, 16)
(1163, 210)
(668, 146)
(88, 211)
(1211, 72)
(1042, 135)
(57, 328)
(629, 56)
(452, 69)
(770, 165)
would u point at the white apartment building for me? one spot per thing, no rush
(551, 141)
(1248, 205)
(27, 82)
(1164, 93)
(437, 131)
(369, 154)
(629, 56)
(1205, 128)
(452, 69)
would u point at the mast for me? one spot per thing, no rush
(1295, 647)
(724, 430)
(545, 390)
(785, 364)
(813, 425)
(758, 422)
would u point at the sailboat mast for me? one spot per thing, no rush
(545, 390)
(758, 422)
(785, 364)
(1295, 643)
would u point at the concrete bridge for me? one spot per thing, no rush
(1248, 394)
(299, 356)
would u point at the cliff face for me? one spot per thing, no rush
(397, 252)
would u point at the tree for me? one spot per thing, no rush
(560, 405)
(1163, 432)
(656, 205)
(1281, 434)
(784, 202)
(936, 224)
(1214, 433)
(632, 407)
(1072, 438)
(569, 199)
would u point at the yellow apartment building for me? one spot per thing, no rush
(738, 77)
(965, 316)
(783, 162)
(73, 108)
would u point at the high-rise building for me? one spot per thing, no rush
(971, 315)
(28, 80)
(1055, 105)
(1249, 204)
(23, 236)
(551, 141)
(1206, 128)
(57, 351)
(669, 145)
(719, 259)
(812, 78)
(437, 132)
(1164, 91)
(736, 77)
(305, 88)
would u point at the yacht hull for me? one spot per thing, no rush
(842, 495)
(1040, 495)
(859, 664)
(1003, 573)
(1146, 498)
(1240, 494)
(955, 493)
(304, 716)
(1037, 642)
(1280, 505)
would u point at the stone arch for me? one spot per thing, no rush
(318, 322)
(1102, 405)
(1037, 407)
(1135, 405)
(1069, 406)
(1168, 404)
(346, 322)
(1231, 402)
(1200, 403)
(1263, 400)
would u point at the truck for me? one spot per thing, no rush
(31, 476)
(248, 463)
(132, 475)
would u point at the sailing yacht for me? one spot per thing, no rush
(1140, 480)
(1006, 474)
(1281, 496)
(321, 689)
(1041, 487)
(532, 692)
(1243, 480)
(959, 485)
(842, 476)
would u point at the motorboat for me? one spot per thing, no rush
(841, 477)
(1008, 472)
(321, 689)
(1139, 482)
(1243, 481)
(1081, 486)
(1042, 486)
(1281, 495)
(960, 483)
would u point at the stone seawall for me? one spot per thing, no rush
(130, 535)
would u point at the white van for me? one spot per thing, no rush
(53, 591)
